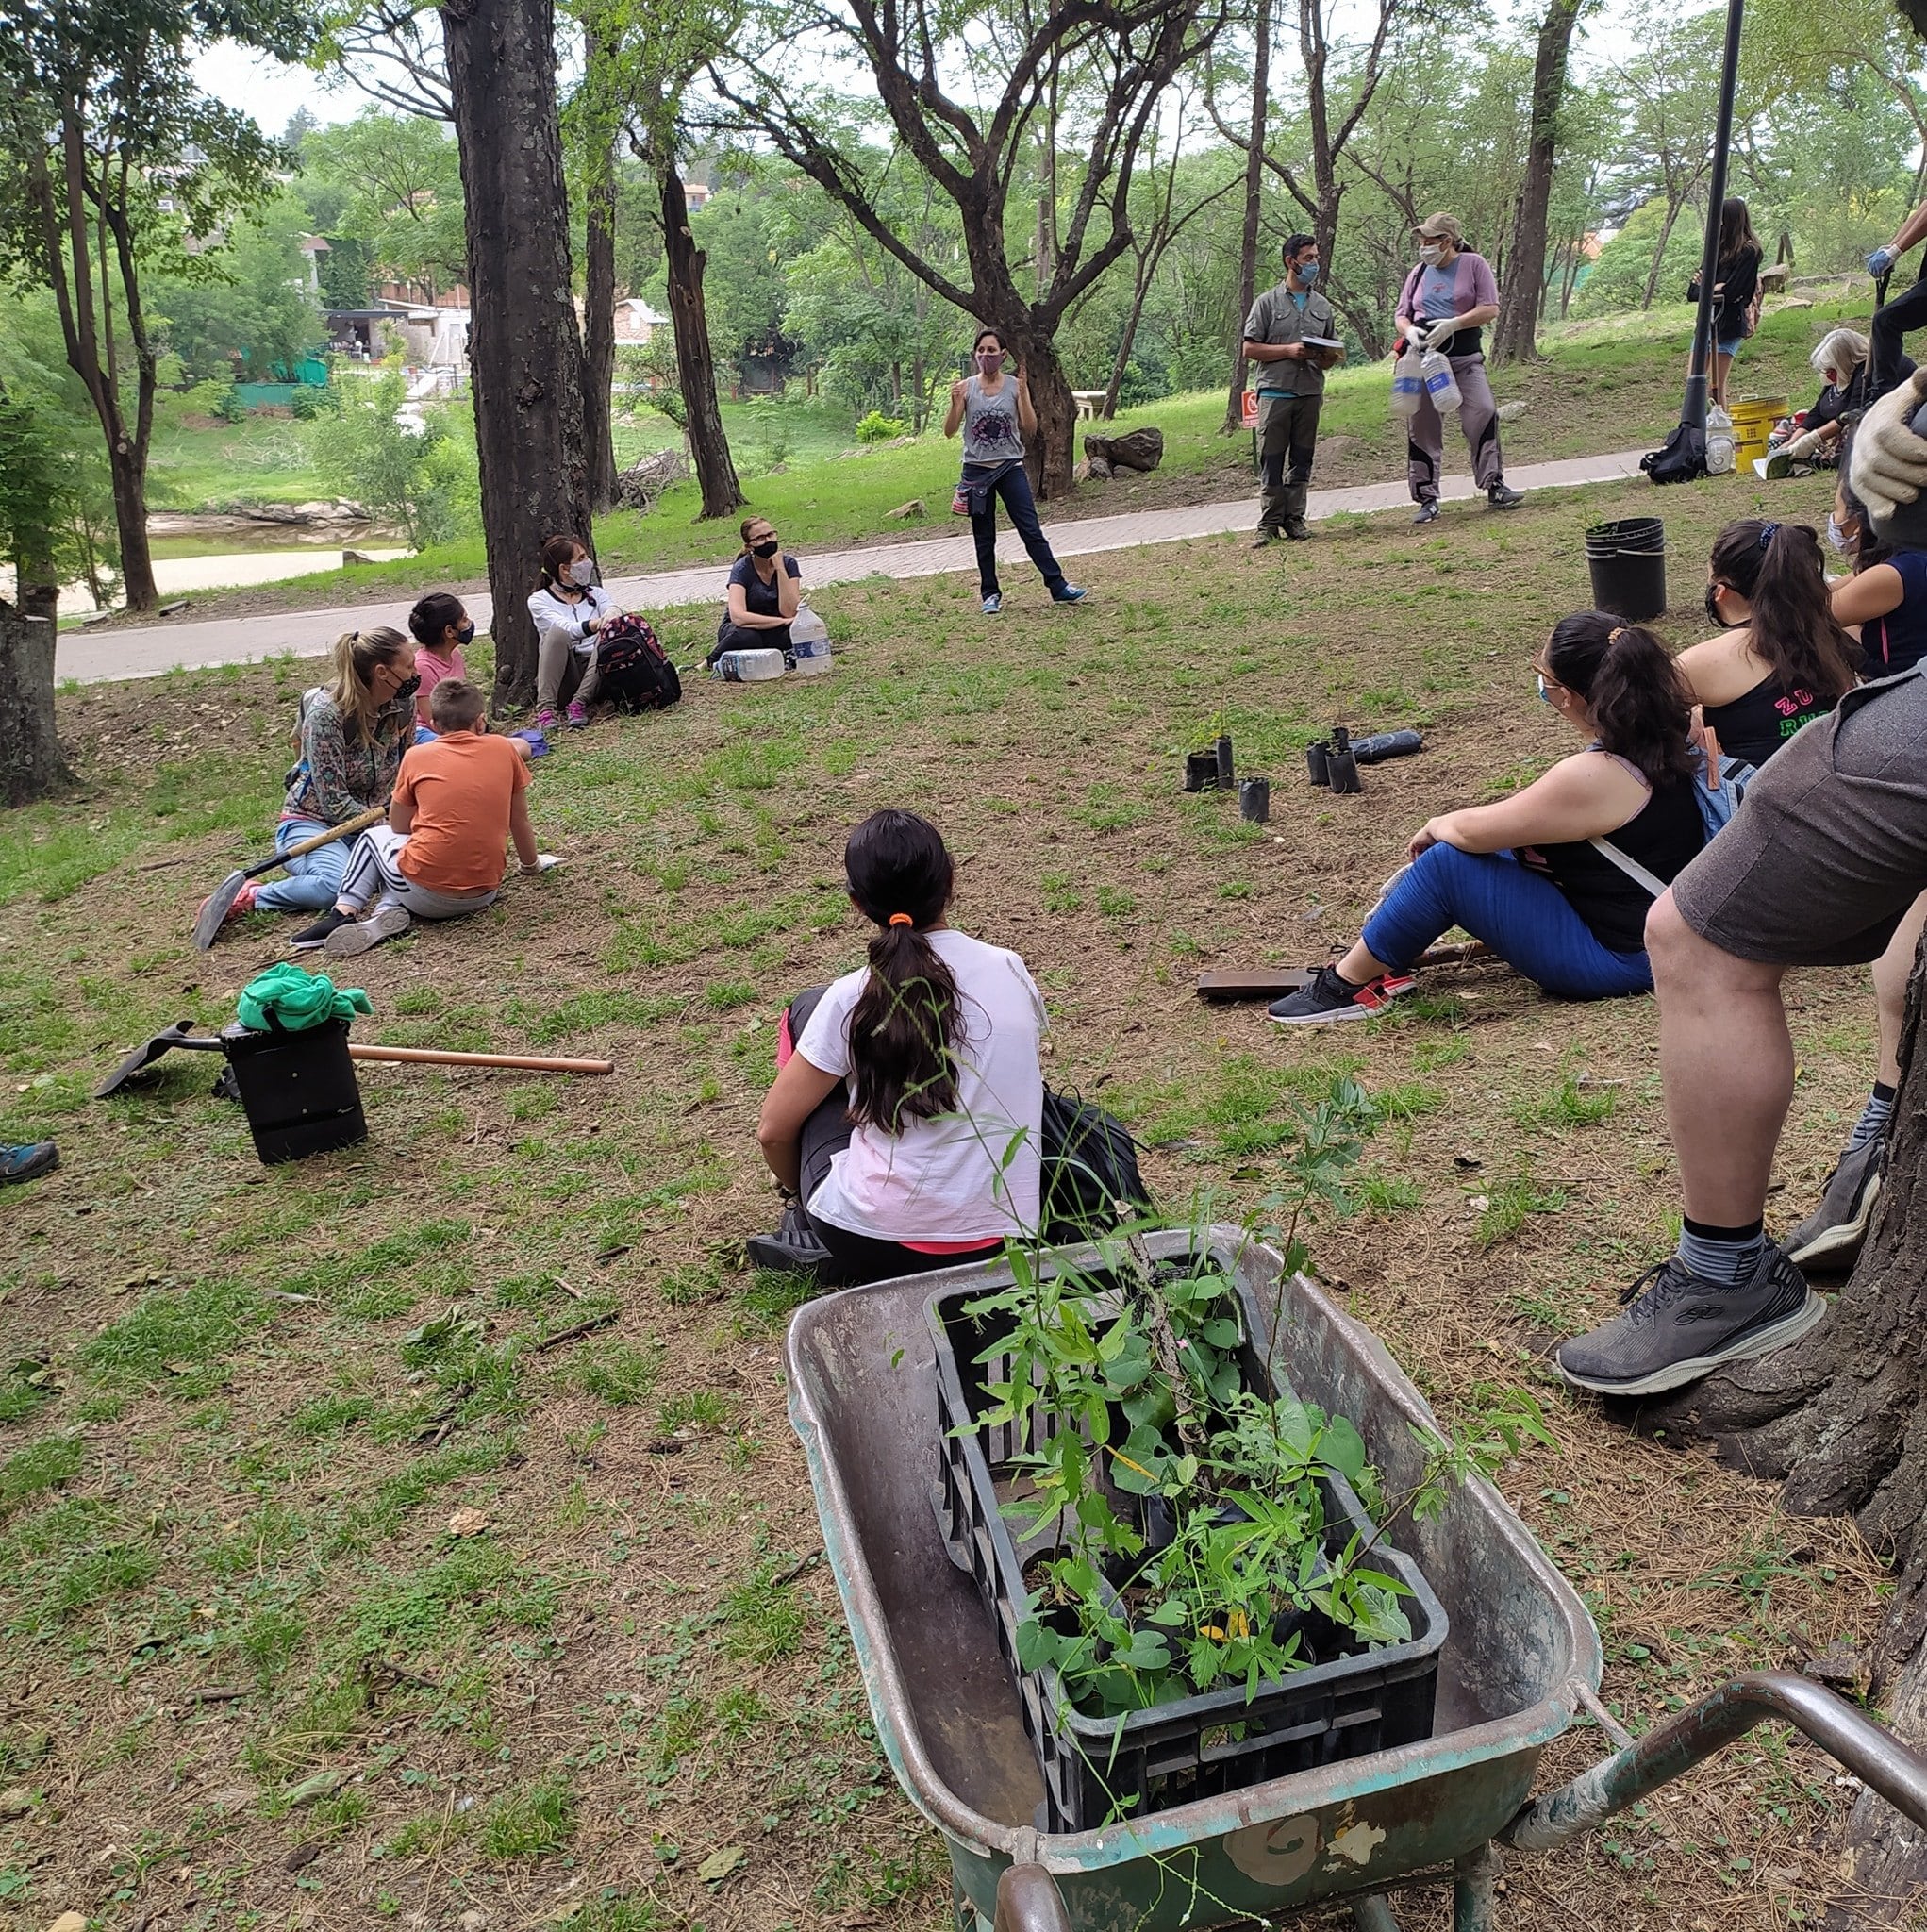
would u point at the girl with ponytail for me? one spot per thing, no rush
(1782, 658)
(907, 1107)
(350, 734)
(1542, 877)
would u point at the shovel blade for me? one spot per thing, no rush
(143, 1057)
(213, 915)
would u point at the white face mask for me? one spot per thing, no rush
(582, 573)
(1839, 538)
(1431, 254)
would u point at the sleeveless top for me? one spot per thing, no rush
(1664, 836)
(1757, 722)
(990, 433)
(1898, 641)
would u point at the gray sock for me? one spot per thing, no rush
(1871, 1126)
(1724, 1256)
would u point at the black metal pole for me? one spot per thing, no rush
(1693, 410)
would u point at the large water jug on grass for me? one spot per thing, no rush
(1719, 443)
(809, 643)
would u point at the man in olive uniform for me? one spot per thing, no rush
(1291, 386)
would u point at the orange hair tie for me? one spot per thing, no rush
(900, 919)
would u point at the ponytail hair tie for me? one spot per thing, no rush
(1767, 531)
(1614, 635)
(900, 919)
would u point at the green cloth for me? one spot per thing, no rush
(287, 997)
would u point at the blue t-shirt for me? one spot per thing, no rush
(1898, 641)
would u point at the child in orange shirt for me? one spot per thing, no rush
(459, 801)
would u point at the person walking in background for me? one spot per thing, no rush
(1734, 295)
(1447, 300)
(1291, 388)
(1893, 320)
(995, 411)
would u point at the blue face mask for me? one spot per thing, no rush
(1545, 696)
(1306, 271)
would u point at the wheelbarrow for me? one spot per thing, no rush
(1523, 1661)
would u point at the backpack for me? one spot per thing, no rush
(635, 671)
(1680, 458)
(1717, 793)
(1088, 1171)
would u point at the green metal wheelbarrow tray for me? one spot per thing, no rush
(1521, 1660)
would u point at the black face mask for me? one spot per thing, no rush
(465, 633)
(1713, 615)
(764, 549)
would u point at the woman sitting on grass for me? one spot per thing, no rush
(1541, 877)
(351, 735)
(901, 1086)
(1781, 658)
(1886, 595)
(763, 594)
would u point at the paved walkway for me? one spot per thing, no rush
(145, 651)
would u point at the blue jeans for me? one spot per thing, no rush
(1013, 486)
(1522, 915)
(313, 883)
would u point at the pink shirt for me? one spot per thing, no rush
(431, 668)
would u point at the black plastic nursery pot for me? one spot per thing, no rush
(1096, 1766)
(1627, 559)
(298, 1090)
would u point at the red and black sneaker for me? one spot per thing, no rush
(1330, 999)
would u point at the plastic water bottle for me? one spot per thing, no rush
(1720, 444)
(809, 643)
(1441, 385)
(749, 667)
(1408, 383)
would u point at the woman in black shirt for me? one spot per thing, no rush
(1557, 880)
(764, 593)
(1739, 272)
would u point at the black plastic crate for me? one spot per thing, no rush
(1199, 1746)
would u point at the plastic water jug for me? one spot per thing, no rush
(1408, 383)
(1440, 384)
(1720, 444)
(749, 667)
(809, 643)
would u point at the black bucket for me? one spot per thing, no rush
(1628, 563)
(298, 1090)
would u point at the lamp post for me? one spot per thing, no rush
(1693, 410)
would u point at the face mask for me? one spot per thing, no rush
(1713, 615)
(1839, 538)
(1539, 679)
(1431, 254)
(582, 573)
(1306, 271)
(767, 549)
(465, 632)
(990, 360)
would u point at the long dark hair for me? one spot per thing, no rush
(906, 1019)
(1778, 569)
(434, 617)
(1735, 231)
(1632, 687)
(558, 554)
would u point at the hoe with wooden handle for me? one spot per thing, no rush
(209, 922)
(179, 1034)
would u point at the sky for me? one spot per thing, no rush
(270, 91)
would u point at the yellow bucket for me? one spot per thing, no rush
(1766, 409)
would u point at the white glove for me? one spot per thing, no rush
(1889, 461)
(1802, 446)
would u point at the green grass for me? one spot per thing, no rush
(529, 1823)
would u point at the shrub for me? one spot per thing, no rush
(410, 473)
(877, 428)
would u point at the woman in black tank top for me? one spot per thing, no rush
(1781, 659)
(1557, 878)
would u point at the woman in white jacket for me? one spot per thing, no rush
(568, 609)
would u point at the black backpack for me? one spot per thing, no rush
(1681, 459)
(634, 673)
(1090, 1179)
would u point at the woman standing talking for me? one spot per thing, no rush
(995, 411)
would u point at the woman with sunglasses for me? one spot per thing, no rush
(1558, 879)
(765, 592)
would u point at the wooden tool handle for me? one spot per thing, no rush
(347, 829)
(437, 1056)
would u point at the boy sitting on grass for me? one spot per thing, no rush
(457, 802)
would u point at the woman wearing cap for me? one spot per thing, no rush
(1447, 298)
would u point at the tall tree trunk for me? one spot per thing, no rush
(525, 349)
(1053, 452)
(1515, 335)
(1841, 1419)
(1253, 203)
(599, 303)
(127, 466)
(1147, 267)
(1672, 214)
(695, 364)
(31, 766)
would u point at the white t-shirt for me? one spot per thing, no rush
(938, 1180)
(564, 614)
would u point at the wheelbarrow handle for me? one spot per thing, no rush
(1871, 1752)
(1028, 1900)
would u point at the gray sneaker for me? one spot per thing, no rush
(1679, 1327)
(362, 935)
(1833, 1232)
